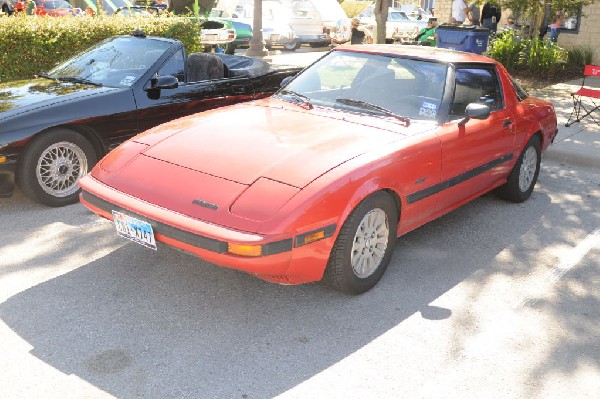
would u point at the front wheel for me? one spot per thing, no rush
(364, 246)
(524, 175)
(51, 166)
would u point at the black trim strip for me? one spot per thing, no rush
(299, 240)
(429, 191)
(209, 244)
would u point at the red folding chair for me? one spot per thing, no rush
(581, 109)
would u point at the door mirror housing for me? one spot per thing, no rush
(163, 82)
(475, 111)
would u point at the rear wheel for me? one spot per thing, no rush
(524, 175)
(51, 166)
(364, 246)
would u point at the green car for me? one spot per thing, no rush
(243, 35)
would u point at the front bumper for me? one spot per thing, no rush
(284, 258)
(7, 177)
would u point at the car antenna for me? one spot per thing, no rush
(139, 33)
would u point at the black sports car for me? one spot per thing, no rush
(54, 128)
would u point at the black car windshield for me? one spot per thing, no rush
(116, 62)
(410, 89)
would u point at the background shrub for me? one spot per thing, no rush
(535, 56)
(31, 45)
(581, 55)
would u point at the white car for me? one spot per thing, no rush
(398, 27)
(216, 32)
(276, 27)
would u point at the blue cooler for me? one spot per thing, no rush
(467, 38)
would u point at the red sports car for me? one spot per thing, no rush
(317, 181)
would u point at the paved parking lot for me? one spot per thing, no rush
(492, 300)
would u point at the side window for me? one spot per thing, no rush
(476, 85)
(174, 66)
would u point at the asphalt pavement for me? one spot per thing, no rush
(494, 300)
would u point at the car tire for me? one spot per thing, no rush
(293, 46)
(52, 164)
(356, 262)
(524, 174)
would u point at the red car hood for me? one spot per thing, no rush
(284, 142)
(238, 165)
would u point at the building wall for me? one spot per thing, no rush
(589, 31)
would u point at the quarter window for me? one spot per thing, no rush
(476, 85)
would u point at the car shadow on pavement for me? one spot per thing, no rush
(176, 326)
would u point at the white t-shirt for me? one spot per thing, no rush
(458, 10)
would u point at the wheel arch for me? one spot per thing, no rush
(100, 146)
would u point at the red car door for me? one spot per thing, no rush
(479, 153)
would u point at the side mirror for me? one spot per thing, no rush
(475, 111)
(163, 82)
(285, 81)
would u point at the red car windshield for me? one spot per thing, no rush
(351, 81)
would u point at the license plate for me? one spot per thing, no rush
(210, 37)
(274, 38)
(134, 229)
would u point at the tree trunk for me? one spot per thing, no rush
(381, 15)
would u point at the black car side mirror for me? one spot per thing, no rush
(163, 82)
(475, 111)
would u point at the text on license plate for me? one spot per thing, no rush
(134, 229)
(210, 37)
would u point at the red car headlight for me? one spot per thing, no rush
(262, 199)
(121, 156)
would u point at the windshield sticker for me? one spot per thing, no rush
(127, 80)
(428, 109)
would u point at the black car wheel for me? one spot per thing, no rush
(523, 177)
(364, 246)
(52, 164)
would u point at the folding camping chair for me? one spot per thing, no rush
(581, 110)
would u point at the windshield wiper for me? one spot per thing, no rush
(373, 107)
(76, 79)
(300, 99)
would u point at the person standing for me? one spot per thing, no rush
(360, 34)
(474, 13)
(490, 15)
(555, 27)
(459, 11)
(426, 36)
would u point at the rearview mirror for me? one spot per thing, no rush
(285, 81)
(475, 111)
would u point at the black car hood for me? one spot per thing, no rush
(27, 95)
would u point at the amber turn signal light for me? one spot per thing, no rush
(244, 250)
